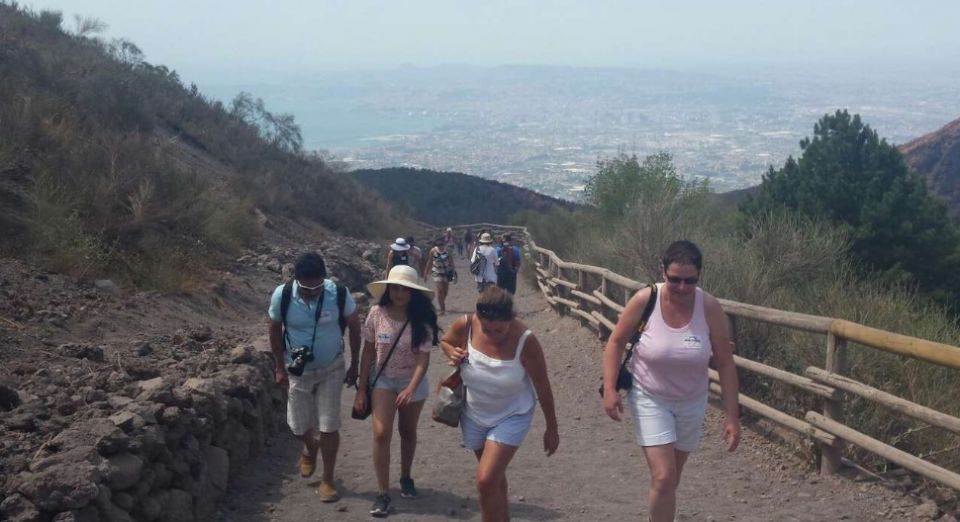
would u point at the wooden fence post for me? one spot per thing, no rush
(582, 286)
(830, 461)
(734, 336)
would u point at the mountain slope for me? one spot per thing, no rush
(443, 198)
(936, 157)
(110, 166)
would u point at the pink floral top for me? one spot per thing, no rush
(381, 330)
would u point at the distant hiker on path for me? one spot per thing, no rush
(509, 257)
(460, 244)
(468, 241)
(487, 276)
(399, 255)
(307, 319)
(502, 366)
(449, 239)
(416, 255)
(668, 397)
(403, 310)
(442, 271)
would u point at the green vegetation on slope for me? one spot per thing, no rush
(850, 177)
(109, 165)
(784, 260)
(446, 198)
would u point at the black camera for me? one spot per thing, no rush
(300, 357)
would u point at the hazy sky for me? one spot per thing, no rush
(206, 39)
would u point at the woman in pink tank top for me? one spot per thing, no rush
(686, 328)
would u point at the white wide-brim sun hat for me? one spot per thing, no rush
(486, 238)
(402, 275)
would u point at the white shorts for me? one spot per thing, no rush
(313, 399)
(657, 421)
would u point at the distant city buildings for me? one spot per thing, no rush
(545, 130)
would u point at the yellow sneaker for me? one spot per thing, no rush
(307, 464)
(327, 492)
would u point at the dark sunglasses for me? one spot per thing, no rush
(493, 312)
(676, 280)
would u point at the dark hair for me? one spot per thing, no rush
(495, 304)
(410, 240)
(421, 314)
(309, 266)
(682, 252)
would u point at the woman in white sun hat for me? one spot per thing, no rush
(404, 317)
(399, 255)
(488, 274)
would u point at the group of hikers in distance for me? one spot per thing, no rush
(490, 264)
(675, 330)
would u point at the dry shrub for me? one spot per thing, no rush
(795, 264)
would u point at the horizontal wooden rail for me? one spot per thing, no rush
(902, 458)
(564, 282)
(587, 317)
(809, 323)
(617, 307)
(937, 353)
(911, 409)
(804, 383)
(775, 415)
(603, 320)
(587, 297)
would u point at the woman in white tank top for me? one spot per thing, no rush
(685, 330)
(504, 372)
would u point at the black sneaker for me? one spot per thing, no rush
(407, 489)
(381, 506)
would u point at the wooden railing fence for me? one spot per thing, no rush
(596, 296)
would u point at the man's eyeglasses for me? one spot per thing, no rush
(676, 280)
(305, 287)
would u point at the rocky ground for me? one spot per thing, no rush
(81, 359)
(597, 474)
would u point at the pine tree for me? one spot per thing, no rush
(850, 176)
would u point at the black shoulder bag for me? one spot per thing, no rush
(624, 378)
(368, 405)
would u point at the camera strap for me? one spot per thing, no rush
(316, 318)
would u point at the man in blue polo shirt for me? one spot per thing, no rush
(313, 399)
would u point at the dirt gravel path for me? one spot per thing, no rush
(597, 474)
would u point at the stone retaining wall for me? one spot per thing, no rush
(160, 449)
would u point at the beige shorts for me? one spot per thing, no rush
(313, 399)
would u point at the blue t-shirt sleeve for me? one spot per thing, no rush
(274, 310)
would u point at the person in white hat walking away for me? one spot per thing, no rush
(488, 274)
(398, 335)
(399, 255)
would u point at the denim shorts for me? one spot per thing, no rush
(657, 421)
(398, 384)
(510, 431)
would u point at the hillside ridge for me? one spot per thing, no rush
(936, 157)
(442, 198)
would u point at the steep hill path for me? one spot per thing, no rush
(597, 474)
